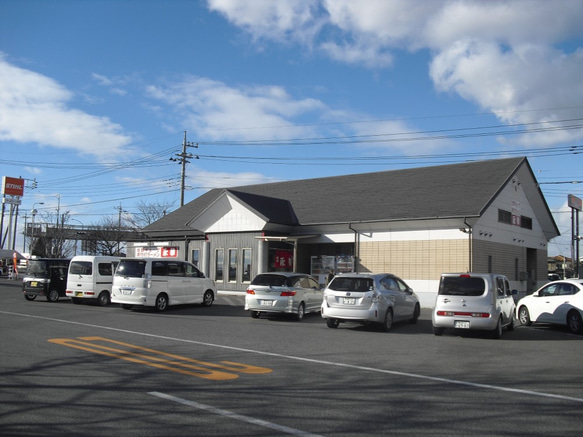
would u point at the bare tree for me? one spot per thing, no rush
(106, 237)
(148, 213)
(52, 237)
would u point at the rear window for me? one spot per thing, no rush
(132, 269)
(270, 280)
(462, 286)
(39, 269)
(81, 268)
(351, 284)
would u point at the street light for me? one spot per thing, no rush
(34, 213)
(77, 233)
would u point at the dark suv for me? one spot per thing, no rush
(45, 277)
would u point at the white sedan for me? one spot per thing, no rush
(558, 302)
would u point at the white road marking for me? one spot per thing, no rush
(232, 415)
(320, 362)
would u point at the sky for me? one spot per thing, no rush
(97, 96)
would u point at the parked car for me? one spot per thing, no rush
(369, 298)
(558, 302)
(474, 301)
(90, 278)
(45, 277)
(283, 293)
(158, 283)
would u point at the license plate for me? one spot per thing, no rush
(349, 301)
(267, 302)
(79, 293)
(126, 292)
(461, 324)
(33, 284)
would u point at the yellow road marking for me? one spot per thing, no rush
(159, 359)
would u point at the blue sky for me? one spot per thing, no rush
(95, 95)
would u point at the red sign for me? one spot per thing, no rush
(169, 252)
(12, 186)
(284, 259)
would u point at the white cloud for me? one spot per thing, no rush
(218, 111)
(34, 108)
(509, 57)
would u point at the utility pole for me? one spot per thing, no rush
(183, 159)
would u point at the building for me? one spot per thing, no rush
(486, 216)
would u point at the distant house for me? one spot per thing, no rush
(486, 216)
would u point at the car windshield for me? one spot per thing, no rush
(39, 269)
(271, 280)
(351, 284)
(132, 269)
(462, 286)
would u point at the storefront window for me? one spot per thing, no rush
(195, 257)
(219, 262)
(246, 260)
(232, 265)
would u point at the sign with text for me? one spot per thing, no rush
(157, 252)
(12, 186)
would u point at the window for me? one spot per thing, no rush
(81, 268)
(246, 268)
(175, 269)
(525, 222)
(219, 261)
(195, 257)
(105, 269)
(232, 265)
(504, 216)
(192, 272)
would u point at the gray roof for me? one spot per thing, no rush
(443, 191)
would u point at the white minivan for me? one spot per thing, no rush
(160, 282)
(90, 278)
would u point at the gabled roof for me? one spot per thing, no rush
(438, 192)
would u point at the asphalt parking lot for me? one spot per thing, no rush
(193, 370)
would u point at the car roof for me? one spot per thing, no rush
(286, 274)
(577, 281)
(364, 275)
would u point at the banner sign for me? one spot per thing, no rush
(12, 186)
(157, 252)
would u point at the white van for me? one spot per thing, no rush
(91, 278)
(159, 283)
(474, 301)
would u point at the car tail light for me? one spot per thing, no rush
(250, 291)
(463, 313)
(288, 293)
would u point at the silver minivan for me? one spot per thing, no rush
(158, 283)
(474, 301)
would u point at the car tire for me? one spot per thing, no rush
(255, 314)
(574, 322)
(511, 324)
(524, 316)
(416, 314)
(388, 322)
(497, 332)
(53, 295)
(438, 331)
(301, 312)
(161, 303)
(332, 323)
(103, 299)
(30, 296)
(208, 298)
(126, 306)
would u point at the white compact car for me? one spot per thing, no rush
(474, 301)
(369, 298)
(558, 303)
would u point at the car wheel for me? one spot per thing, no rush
(161, 303)
(103, 299)
(125, 306)
(332, 323)
(30, 296)
(388, 323)
(53, 295)
(438, 331)
(524, 316)
(301, 311)
(511, 324)
(416, 314)
(208, 298)
(574, 322)
(497, 332)
(255, 314)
